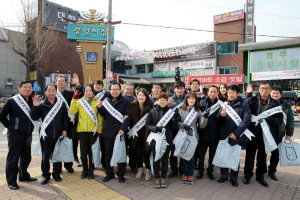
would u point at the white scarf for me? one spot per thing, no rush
(100, 95)
(237, 120)
(188, 120)
(90, 112)
(49, 117)
(268, 113)
(137, 127)
(61, 98)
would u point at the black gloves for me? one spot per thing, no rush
(232, 142)
(176, 114)
(206, 114)
(159, 129)
(188, 129)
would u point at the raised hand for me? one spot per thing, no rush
(76, 95)
(249, 88)
(109, 75)
(36, 101)
(223, 113)
(100, 103)
(75, 79)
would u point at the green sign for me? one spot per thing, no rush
(275, 60)
(166, 73)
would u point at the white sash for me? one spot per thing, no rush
(24, 106)
(90, 112)
(237, 120)
(268, 113)
(49, 117)
(116, 114)
(188, 120)
(61, 98)
(100, 95)
(215, 107)
(137, 127)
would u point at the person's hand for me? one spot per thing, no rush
(223, 113)
(109, 75)
(75, 79)
(170, 102)
(186, 127)
(176, 114)
(287, 137)
(36, 101)
(64, 133)
(232, 136)
(125, 116)
(76, 95)
(99, 104)
(159, 129)
(99, 135)
(121, 132)
(206, 114)
(249, 88)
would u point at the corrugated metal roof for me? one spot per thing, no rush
(270, 44)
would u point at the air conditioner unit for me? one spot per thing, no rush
(9, 81)
(127, 72)
(130, 71)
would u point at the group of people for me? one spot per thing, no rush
(90, 113)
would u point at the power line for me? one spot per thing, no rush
(277, 24)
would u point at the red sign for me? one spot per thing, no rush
(230, 16)
(216, 79)
(116, 77)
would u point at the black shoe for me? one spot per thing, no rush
(91, 174)
(84, 174)
(134, 170)
(172, 174)
(211, 176)
(196, 166)
(57, 179)
(71, 170)
(13, 186)
(263, 182)
(44, 181)
(234, 183)
(27, 179)
(107, 178)
(200, 175)
(273, 176)
(246, 181)
(222, 180)
(121, 179)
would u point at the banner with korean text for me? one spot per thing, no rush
(216, 79)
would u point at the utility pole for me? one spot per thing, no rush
(108, 44)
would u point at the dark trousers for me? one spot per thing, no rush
(233, 174)
(109, 148)
(274, 160)
(87, 139)
(164, 163)
(19, 149)
(102, 151)
(187, 166)
(196, 154)
(140, 154)
(174, 160)
(202, 151)
(75, 148)
(47, 146)
(256, 145)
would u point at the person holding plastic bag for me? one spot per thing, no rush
(154, 116)
(89, 125)
(55, 122)
(261, 103)
(137, 144)
(229, 127)
(190, 109)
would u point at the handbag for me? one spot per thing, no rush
(119, 151)
(63, 150)
(37, 150)
(96, 148)
(161, 145)
(186, 146)
(270, 144)
(289, 153)
(227, 156)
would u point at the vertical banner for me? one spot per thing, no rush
(249, 26)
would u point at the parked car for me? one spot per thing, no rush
(296, 118)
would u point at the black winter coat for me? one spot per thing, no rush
(59, 123)
(153, 118)
(18, 121)
(273, 121)
(228, 126)
(211, 132)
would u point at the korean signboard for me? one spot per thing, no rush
(230, 16)
(207, 51)
(295, 74)
(55, 14)
(32, 75)
(197, 64)
(249, 26)
(216, 79)
(160, 66)
(166, 74)
(275, 60)
(88, 32)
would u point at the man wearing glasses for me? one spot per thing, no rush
(258, 104)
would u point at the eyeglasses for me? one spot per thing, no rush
(266, 89)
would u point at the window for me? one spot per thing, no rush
(228, 48)
(128, 67)
(140, 69)
(150, 68)
(228, 70)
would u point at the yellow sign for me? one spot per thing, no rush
(32, 75)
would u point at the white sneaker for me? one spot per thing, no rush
(148, 175)
(139, 173)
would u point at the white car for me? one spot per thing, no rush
(296, 118)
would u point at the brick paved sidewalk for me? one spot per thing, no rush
(288, 186)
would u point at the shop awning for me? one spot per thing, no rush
(135, 80)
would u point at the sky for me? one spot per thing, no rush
(274, 19)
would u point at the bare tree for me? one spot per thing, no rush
(35, 43)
